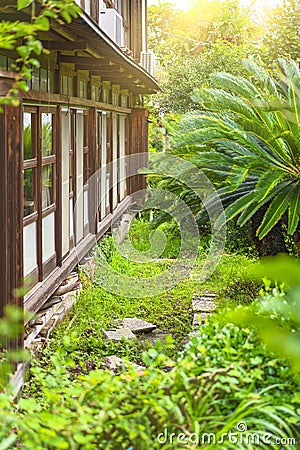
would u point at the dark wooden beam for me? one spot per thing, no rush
(65, 45)
(102, 67)
(88, 66)
(83, 60)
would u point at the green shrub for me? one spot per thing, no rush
(275, 315)
(224, 378)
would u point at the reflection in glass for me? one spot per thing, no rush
(47, 132)
(27, 136)
(47, 185)
(43, 80)
(28, 192)
(71, 181)
(51, 82)
(35, 80)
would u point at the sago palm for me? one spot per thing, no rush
(246, 135)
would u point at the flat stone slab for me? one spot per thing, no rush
(118, 335)
(115, 364)
(203, 304)
(136, 325)
(199, 319)
(204, 294)
(156, 335)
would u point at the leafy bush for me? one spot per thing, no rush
(223, 378)
(140, 232)
(276, 314)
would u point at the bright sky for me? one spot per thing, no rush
(259, 4)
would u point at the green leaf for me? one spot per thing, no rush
(23, 4)
(6, 444)
(238, 206)
(23, 51)
(281, 268)
(23, 85)
(34, 62)
(42, 23)
(266, 183)
(294, 211)
(274, 213)
(37, 47)
(49, 13)
(66, 16)
(237, 176)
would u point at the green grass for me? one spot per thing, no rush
(222, 377)
(96, 309)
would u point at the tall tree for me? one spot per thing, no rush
(282, 38)
(246, 135)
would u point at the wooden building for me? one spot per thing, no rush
(83, 111)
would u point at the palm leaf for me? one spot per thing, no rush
(266, 183)
(238, 206)
(274, 213)
(294, 210)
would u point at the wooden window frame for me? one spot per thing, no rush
(37, 162)
(86, 162)
(72, 169)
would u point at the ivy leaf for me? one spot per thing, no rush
(37, 47)
(34, 62)
(23, 86)
(23, 4)
(42, 23)
(66, 16)
(23, 51)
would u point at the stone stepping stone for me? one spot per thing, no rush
(118, 335)
(199, 319)
(205, 294)
(136, 325)
(115, 364)
(203, 304)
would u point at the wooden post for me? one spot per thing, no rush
(11, 201)
(139, 146)
(93, 167)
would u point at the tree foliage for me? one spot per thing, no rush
(283, 32)
(245, 137)
(187, 73)
(174, 33)
(212, 35)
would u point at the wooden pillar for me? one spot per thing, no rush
(11, 200)
(94, 161)
(139, 146)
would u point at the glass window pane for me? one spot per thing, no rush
(51, 82)
(48, 237)
(27, 136)
(47, 134)
(35, 82)
(44, 80)
(3, 62)
(29, 248)
(71, 181)
(28, 183)
(47, 186)
(70, 86)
